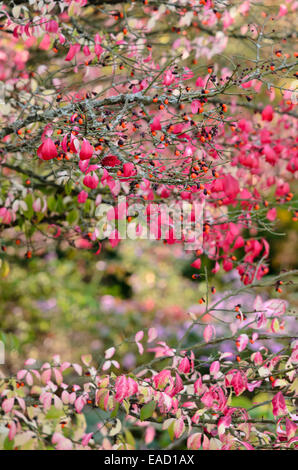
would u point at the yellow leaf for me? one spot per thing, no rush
(4, 269)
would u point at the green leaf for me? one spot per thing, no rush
(4, 269)
(68, 187)
(60, 207)
(147, 410)
(72, 217)
(171, 430)
(53, 413)
(39, 216)
(115, 411)
(29, 202)
(52, 203)
(129, 438)
(8, 445)
(88, 206)
(126, 406)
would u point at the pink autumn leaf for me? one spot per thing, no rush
(160, 380)
(271, 214)
(184, 365)
(279, 405)
(106, 365)
(121, 388)
(73, 50)
(255, 384)
(194, 441)
(58, 376)
(91, 181)
(195, 105)
(242, 342)
(98, 50)
(214, 368)
(254, 337)
(30, 362)
(45, 43)
(79, 404)
(15, 32)
(149, 434)
(5, 216)
(200, 82)
(138, 337)
(52, 26)
(125, 387)
(282, 10)
(61, 442)
(58, 404)
(206, 442)
(216, 268)
(128, 169)
(168, 78)
(46, 400)
(179, 427)
(86, 151)
(276, 307)
(86, 51)
(21, 374)
(291, 428)
(225, 355)
(197, 263)
(239, 383)
(227, 265)
(7, 405)
(86, 359)
(152, 334)
(21, 402)
(12, 430)
(110, 353)
(65, 397)
(47, 150)
(86, 438)
(239, 243)
(190, 405)
(155, 126)
(178, 385)
(29, 379)
(257, 358)
(267, 113)
(46, 376)
(223, 424)
(68, 397)
(77, 368)
(209, 333)
(82, 197)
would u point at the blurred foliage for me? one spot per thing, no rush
(66, 301)
(60, 304)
